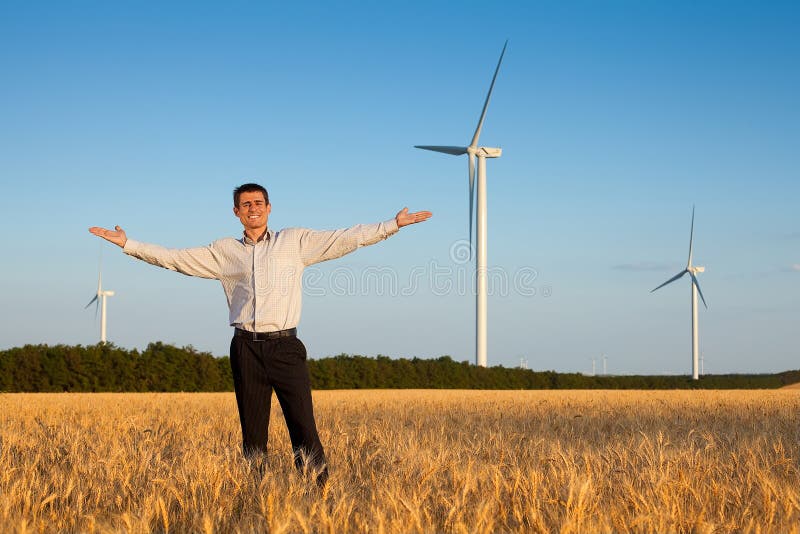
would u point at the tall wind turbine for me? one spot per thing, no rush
(692, 270)
(480, 152)
(100, 299)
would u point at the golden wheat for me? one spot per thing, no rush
(408, 461)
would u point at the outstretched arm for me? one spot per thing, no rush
(116, 236)
(201, 261)
(404, 218)
(317, 246)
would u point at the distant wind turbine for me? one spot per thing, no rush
(473, 150)
(692, 270)
(100, 299)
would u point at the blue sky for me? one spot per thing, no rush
(614, 119)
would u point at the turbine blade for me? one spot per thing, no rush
(475, 137)
(454, 150)
(691, 238)
(697, 285)
(671, 279)
(96, 298)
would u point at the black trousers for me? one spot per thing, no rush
(259, 367)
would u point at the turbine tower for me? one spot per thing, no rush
(100, 299)
(480, 152)
(693, 271)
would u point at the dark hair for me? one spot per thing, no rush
(248, 188)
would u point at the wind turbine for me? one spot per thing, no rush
(692, 270)
(97, 300)
(480, 152)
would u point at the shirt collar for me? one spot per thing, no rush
(266, 236)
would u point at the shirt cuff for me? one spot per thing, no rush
(131, 246)
(391, 226)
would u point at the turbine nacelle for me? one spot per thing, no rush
(485, 152)
(696, 269)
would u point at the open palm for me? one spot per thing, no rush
(404, 218)
(116, 236)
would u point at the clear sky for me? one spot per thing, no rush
(614, 119)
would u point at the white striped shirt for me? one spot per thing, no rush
(263, 281)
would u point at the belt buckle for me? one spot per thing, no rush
(256, 339)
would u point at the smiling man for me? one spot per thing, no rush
(261, 274)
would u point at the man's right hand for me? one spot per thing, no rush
(116, 236)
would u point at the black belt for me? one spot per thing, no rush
(263, 336)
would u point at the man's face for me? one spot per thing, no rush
(253, 210)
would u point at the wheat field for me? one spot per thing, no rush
(408, 461)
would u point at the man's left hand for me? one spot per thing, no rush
(404, 218)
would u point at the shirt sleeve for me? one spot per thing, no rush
(203, 262)
(317, 246)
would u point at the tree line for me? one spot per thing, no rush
(163, 367)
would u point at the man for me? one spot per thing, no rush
(261, 274)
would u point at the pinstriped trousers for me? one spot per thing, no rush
(259, 367)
